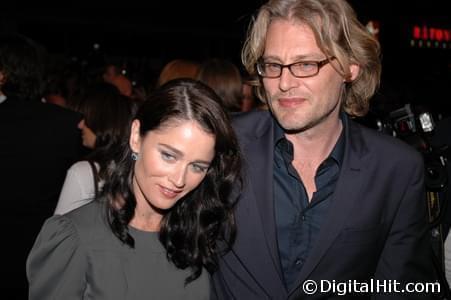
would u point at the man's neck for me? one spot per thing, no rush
(315, 144)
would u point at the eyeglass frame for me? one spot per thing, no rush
(319, 64)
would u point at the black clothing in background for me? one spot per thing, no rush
(38, 143)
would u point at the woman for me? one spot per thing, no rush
(178, 68)
(225, 79)
(161, 215)
(107, 116)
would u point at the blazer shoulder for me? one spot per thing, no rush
(253, 123)
(386, 145)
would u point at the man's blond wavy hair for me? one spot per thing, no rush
(338, 34)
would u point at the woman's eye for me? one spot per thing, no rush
(167, 156)
(199, 169)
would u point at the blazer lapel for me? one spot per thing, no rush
(347, 192)
(259, 162)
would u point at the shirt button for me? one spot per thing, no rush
(298, 261)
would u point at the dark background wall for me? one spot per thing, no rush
(145, 38)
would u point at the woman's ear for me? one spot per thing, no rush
(135, 137)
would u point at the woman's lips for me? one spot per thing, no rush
(169, 193)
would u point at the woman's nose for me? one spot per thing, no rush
(177, 178)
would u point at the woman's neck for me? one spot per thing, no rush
(146, 221)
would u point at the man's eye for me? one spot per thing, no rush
(305, 65)
(270, 66)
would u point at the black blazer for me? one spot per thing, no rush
(376, 226)
(38, 143)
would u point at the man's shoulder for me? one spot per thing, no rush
(61, 114)
(255, 122)
(386, 145)
(32, 111)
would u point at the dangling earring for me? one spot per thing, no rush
(135, 156)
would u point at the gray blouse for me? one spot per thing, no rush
(76, 256)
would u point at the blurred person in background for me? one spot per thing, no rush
(178, 68)
(225, 79)
(114, 75)
(106, 119)
(38, 143)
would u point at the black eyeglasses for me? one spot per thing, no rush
(300, 69)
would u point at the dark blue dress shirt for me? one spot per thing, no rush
(299, 221)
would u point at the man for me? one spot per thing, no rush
(38, 143)
(114, 76)
(326, 201)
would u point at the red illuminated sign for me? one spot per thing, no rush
(431, 37)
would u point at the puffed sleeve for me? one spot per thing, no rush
(57, 263)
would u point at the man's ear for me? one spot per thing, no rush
(355, 70)
(135, 137)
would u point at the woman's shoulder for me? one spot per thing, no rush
(89, 220)
(81, 167)
(81, 229)
(57, 229)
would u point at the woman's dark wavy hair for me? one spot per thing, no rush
(200, 226)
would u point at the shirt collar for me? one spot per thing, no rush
(2, 98)
(279, 134)
(339, 148)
